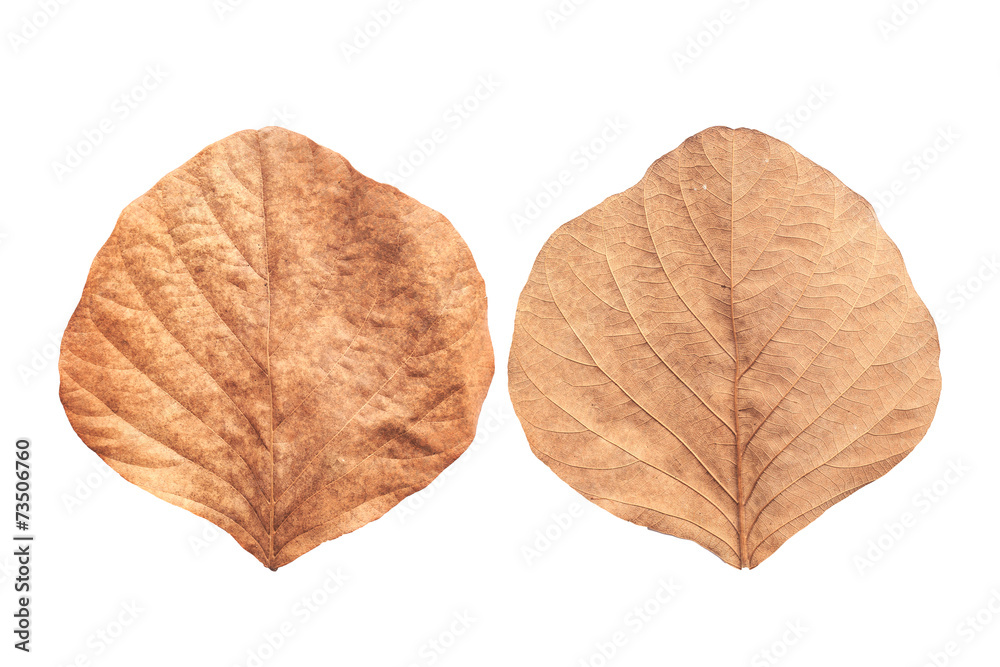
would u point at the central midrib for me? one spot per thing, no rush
(267, 353)
(740, 505)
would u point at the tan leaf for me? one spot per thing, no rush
(278, 344)
(725, 350)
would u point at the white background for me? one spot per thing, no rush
(885, 98)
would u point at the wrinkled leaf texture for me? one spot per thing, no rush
(278, 344)
(725, 350)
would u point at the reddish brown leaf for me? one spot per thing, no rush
(278, 344)
(725, 350)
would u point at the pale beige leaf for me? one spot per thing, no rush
(279, 344)
(725, 350)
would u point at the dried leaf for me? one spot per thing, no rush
(725, 350)
(278, 344)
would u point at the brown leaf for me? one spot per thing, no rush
(278, 344)
(725, 350)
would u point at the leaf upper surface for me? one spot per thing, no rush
(278, 344)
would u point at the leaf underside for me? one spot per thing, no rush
(278, 344)
(725, 350)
